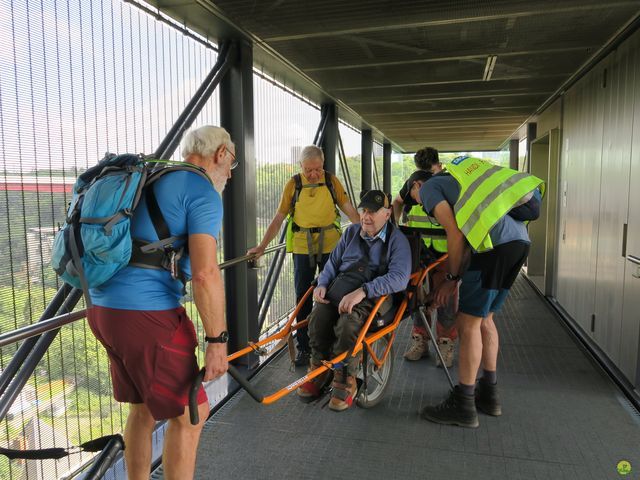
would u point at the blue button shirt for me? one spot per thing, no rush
(190, 205)
(349, 251)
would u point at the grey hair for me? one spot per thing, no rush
(205, 141)
(311, 151)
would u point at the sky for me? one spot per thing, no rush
(78, 79)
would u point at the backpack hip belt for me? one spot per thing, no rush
(314, 256)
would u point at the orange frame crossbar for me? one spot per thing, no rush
(363, 339)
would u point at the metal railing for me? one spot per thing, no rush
(41, 335)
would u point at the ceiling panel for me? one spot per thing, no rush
(415, 71)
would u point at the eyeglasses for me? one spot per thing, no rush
(234, 162)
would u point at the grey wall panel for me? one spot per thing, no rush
(614, 194)
(630, 332)
(580, 195)
(550, 118)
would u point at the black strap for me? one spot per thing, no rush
(159, 223)
(297, 178)
(94, 445)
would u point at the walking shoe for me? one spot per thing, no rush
(302, 358)
(446, 346)
(457, 409)
(342, 394)
(312, 389)
(487, 399)
(418, 348)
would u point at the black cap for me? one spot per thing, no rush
(418, 175)
(374, 200)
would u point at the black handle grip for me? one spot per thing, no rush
(244, 383)
(193, 398)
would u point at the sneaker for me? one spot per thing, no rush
(302, 358)
(342, 394)
(446, 346)
(487, 399)
(418, 348)
(312, 389)
(457, 409)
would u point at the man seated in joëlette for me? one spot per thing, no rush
(371, 259)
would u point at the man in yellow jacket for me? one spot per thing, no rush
(482, 208)
(310, 200)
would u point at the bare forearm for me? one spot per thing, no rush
(208, 294)
(397, 208)
(456, 247)
(272, 230)
(350, 212)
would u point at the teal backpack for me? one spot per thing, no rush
(95, 241)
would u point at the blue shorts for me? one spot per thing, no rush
(485, 285)
(478, 301)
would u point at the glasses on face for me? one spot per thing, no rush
(234, 162)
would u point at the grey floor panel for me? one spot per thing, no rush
(563, 419)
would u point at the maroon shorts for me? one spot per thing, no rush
(152, 356)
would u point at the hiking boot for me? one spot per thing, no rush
(446, 346)
(418, 348)
(312, 389)
(487, 399)
(457, 409)
(342, 394)
(302, 358)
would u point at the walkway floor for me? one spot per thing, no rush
(563, 419)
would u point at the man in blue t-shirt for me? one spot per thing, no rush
(138, 318)
(485, 281)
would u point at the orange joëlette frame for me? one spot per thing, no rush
(416, 279)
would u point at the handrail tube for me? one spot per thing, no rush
(34, 357)
(264, 308)
(40, 327)
(193, 108)
(105, 459)
(47, 324)
(283, 234)
(18, 358)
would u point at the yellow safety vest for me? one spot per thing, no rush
(313, 215)
(487, 193)
(418, 218)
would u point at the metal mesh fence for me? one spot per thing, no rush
(284, 124)
(77, 79)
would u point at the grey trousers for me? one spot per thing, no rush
(331, 334)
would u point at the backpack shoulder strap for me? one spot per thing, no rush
(159, 223)
(296, 194)
(328, 180)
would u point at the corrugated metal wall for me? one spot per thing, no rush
(598, 126)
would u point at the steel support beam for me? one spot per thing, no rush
(386, 167)
(513, 153)
(241, 286)
(532, 132)
(367, 159)
(329, 141)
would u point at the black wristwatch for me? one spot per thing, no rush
(365, 290)
(222, 338)
(451, 277)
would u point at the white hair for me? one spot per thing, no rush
(205, 141)
(311, 151)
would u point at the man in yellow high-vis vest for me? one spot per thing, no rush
(482, 208)
(310, 200)
(446, 333)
